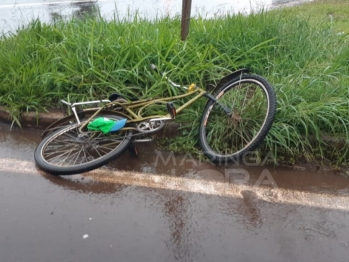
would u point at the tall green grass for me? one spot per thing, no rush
(90, 58)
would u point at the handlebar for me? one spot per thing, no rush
(85, 103)
(169, 80)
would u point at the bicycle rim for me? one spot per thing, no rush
(228, 136)
(67, 151)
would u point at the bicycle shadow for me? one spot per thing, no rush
(87, 183)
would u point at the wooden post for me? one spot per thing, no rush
(186, 8)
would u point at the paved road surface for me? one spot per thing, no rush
(179, 210)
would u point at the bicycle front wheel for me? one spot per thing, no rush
(68, 151)
(239, 120)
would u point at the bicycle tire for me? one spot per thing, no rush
(227, 137)
(80, 153)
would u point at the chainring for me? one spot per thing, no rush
(150, 126)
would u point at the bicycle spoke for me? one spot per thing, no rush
(223, 135)
(59, 159)
(68, 151)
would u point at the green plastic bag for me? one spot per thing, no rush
(103, 124)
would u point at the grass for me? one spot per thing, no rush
(303, 51)
(335, 12)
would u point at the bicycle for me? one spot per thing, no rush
(236, 118)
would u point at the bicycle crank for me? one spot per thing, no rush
(150, 126)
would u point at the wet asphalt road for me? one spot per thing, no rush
(147, 209)
(161, 208)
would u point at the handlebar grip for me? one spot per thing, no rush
(162, 74)
(155, 69)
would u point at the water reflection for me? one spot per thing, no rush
(84, 184)
(79, 10)
(250, 210)
(177, 211)
(85, 9)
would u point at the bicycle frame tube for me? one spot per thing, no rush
(133, 108)
(129, 107)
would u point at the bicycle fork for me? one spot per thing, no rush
(225, 109)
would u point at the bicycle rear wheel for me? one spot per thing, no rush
(71, 119)
(68, 152)
(227, 136)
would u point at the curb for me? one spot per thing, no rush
(31, 119)
(171, 129)
(43, 120)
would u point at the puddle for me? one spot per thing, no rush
(20, 144)
(153, 161)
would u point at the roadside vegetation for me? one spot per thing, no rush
(303, 51)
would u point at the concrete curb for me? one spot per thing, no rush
(31, 119)
(171, 129)
(43, 120)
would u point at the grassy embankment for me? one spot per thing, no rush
(303, 51)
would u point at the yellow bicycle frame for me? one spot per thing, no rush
(132, 110)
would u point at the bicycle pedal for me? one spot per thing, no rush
(133, 150)
(171, 109)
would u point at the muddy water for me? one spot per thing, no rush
(247, 171)
(156, 208)
(153, 159)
